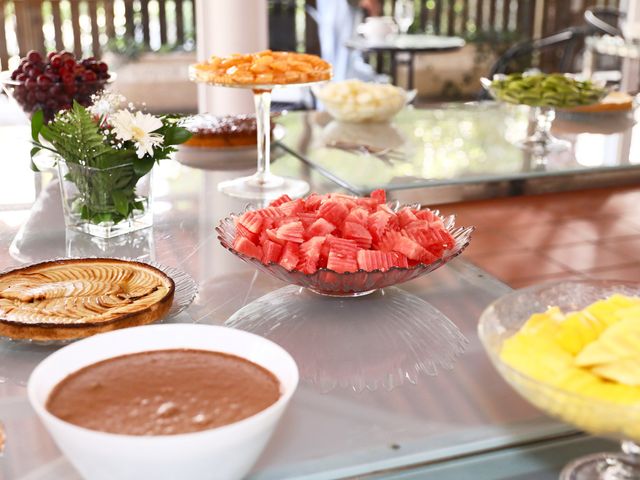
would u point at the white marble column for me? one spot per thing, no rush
(225, 27)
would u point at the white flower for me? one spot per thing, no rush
(105, 103)
(137, 127)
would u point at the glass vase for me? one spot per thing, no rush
(105, 202)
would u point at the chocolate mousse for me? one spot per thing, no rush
(164, 392)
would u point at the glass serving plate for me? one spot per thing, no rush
(262, 185)
(185, 292)
(349, 284)
(540, 141)
(381, 341)
(507, 315)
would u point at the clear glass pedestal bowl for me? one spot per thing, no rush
(539, 141)
(616, 421)
(262, 185)
(349, 284)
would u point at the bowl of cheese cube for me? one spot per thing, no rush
(357, 101)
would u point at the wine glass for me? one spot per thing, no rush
(404, 14)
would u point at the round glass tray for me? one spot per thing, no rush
(376, 342)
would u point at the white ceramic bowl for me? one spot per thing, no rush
(226, 452)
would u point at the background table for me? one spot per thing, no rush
(404, 48)
(466, 151)
(439, 426)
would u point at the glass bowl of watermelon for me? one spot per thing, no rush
(341, 245)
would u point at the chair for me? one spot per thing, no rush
(598, 20)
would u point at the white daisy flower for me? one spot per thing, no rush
(105, 103)
(137, 127)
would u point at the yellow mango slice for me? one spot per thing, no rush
(543, 324)
(535, 356)
(619, 341)
(576, 331)
(625, 371)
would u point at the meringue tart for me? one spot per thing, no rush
(75, 298)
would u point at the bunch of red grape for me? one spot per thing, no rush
(52, 84)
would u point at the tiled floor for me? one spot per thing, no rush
(527, 240)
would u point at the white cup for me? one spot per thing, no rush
(226, 452)
(377, 29)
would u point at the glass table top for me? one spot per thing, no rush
(372, 396)
(457, 144)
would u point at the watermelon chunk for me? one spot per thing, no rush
(434, 240)
(241, 231)
(310, 254)
(394, 241)
(357, 232)
(405, 217)
(425, 214)
(252, 221)
(333, 211)
(342, 262)
(291, 208)
(291, 232)
(379, 224)
(370, 260)
(307, 218)
(320, 228)
(290, 256)
(417, 226)
(342, 255)
(271, 252)
(270, 212)
(280, 200)
(343, 245)
(272, 235)
(399, 260)
(358, 215)
(348, 200)
(247, 247)
(370, 204)
(313, 201)
(379, 196)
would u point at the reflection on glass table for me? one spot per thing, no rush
(379, 341)
(457, 144)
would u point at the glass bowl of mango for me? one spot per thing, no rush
(572, 349)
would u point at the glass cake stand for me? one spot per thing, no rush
(262, 185)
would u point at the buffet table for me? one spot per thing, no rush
(374, 400)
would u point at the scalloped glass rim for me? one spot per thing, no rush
(349, 283)
(487, 85)
(195, 75)
(500, 365)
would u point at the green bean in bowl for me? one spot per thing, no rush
(545, 90)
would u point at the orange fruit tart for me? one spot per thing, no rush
(263, 68)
